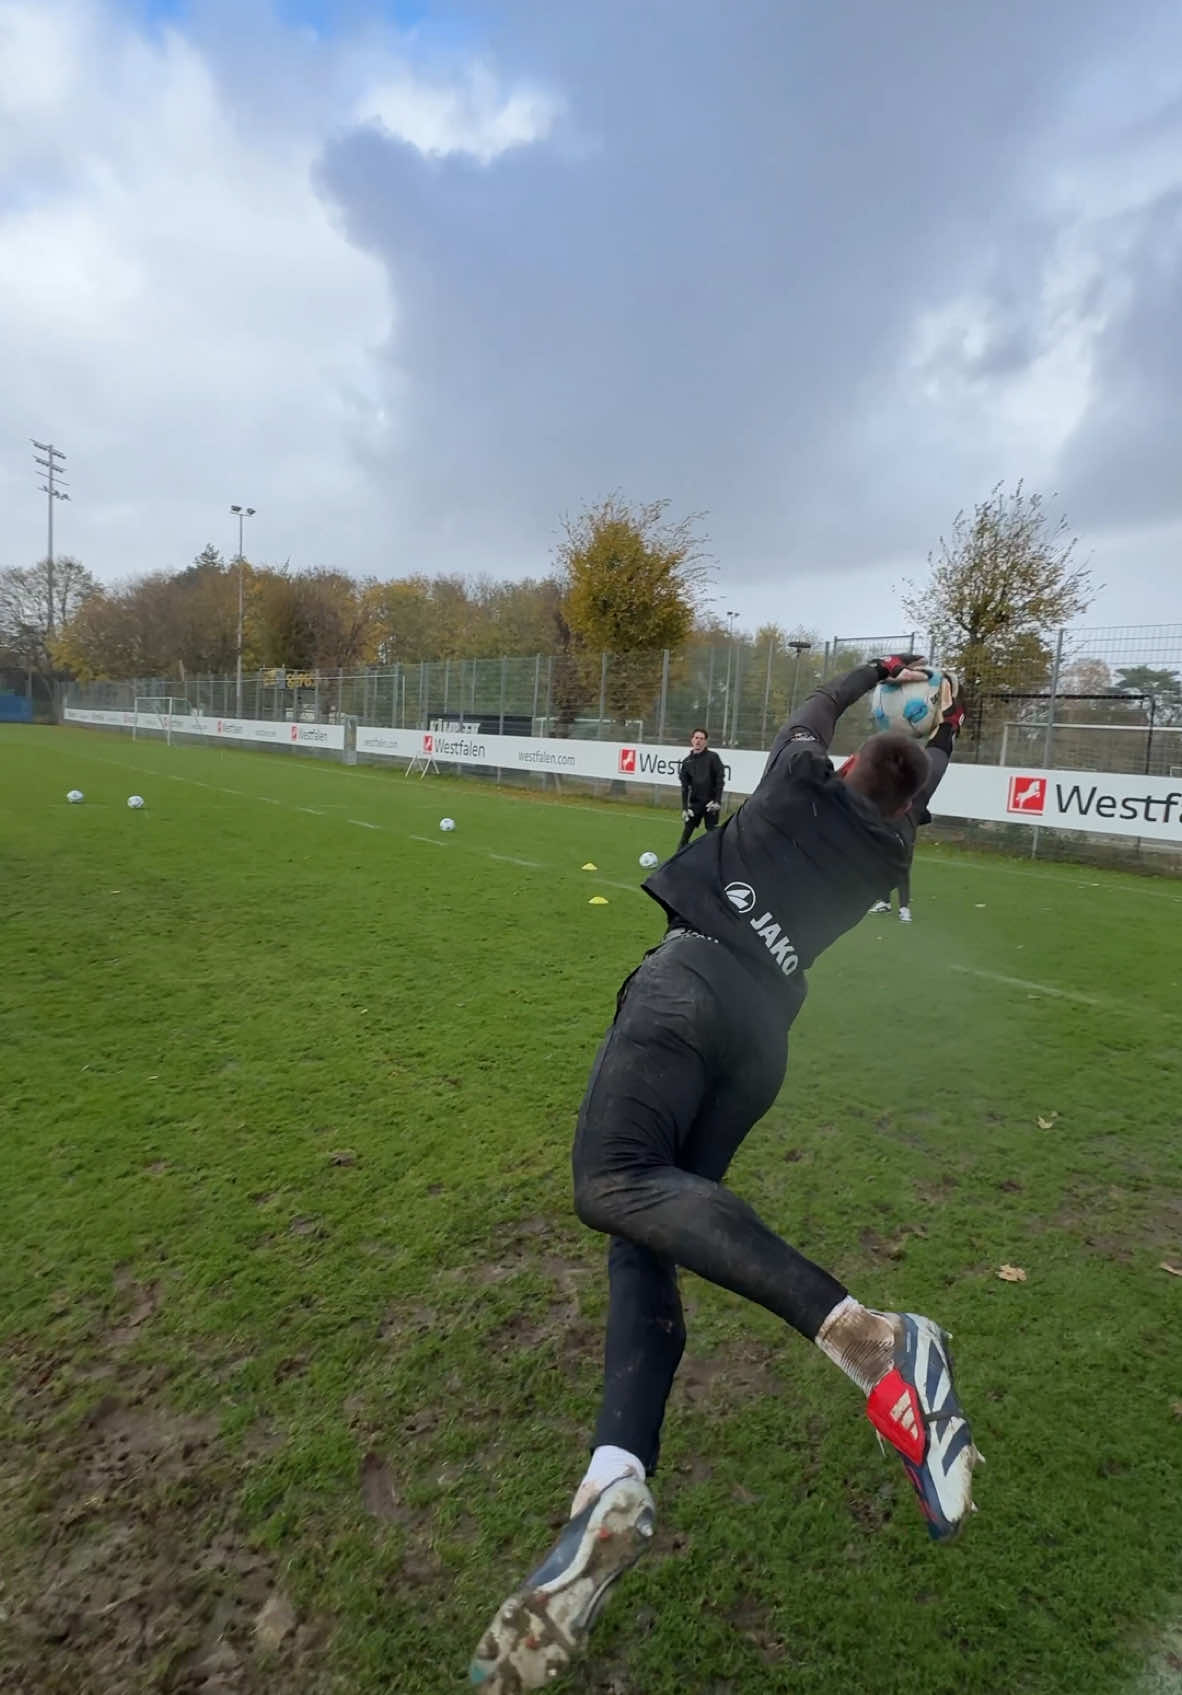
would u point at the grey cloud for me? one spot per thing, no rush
(1124, 459)
(699, 284)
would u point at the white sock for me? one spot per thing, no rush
(607, 1464)
(859, 1340)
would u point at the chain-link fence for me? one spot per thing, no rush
(1106, 699)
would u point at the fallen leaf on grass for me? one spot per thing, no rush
(1174, 1270)
(1012, 1274)
(1048, 1123)
(1176, 1408)
(342, 1156)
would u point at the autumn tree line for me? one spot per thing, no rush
(625, 579)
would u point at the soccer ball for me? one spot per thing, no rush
(135, 801)
(75, 797)
(913, 708)
(447, 823)
(648, 860)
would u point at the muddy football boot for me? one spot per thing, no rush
(543, 1626)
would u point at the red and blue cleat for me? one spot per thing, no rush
(916, 1409)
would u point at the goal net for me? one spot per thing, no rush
(160, 715)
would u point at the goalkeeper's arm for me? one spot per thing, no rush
(940, 751)
(816, 719)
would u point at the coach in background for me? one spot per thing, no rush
(703, 777)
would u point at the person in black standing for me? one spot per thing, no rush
(695, 1056)
(703, 777)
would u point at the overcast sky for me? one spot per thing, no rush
(414, 281)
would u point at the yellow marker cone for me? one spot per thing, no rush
(590, 867)
(597, 900)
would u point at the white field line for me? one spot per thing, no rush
(363, 824)
(968, 869)
(1047, 989)
(1051, 991)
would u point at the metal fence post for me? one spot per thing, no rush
(709, 688)
(735, 731)
(767, 689)
(533, 711)
(664, 694)
(1050, 736)
(1049, 741)
(504, 670)
(602, 695)
(549, 689)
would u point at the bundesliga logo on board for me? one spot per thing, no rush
(1027, 794)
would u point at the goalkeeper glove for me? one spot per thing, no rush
(686, 815)
(713, 806)
(892, 664)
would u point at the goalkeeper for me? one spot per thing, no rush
(703, 776)
(694, 1058)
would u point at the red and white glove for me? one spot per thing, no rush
(891, 667)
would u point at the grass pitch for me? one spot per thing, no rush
(299, 1337)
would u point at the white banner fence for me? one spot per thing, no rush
(1100, 803)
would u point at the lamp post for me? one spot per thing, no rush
(242, 513)
(798, 648)
(50, 466)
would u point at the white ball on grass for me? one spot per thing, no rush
(75, 797)
(648, 860)
(135, 801)
(447, 823)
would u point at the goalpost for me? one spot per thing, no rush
(157, 714)
(1153, 735)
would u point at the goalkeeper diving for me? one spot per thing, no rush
(695, 1056)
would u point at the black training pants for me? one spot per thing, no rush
(695, 1057)
(697, 815)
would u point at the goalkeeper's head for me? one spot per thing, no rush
(888, 770)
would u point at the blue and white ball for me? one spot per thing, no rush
(447, 823)
(75, 797)
(913, 708)
(135, 802)
(648, 860)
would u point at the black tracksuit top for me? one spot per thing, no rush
(802, 860)
(702, 778)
